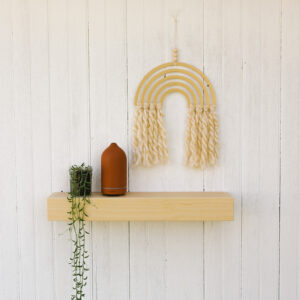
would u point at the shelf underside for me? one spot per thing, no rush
(154, 206)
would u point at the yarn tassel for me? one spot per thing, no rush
(146, 161)
(215, 134)
(149, 136)
(152, 135)
(137, 136)
(199, 110)
(150, 139)
(192, 139)
(162, 136)
(188, 136)
(211, 157)
(204, 139)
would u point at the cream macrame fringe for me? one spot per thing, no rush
(150, 139)
(149, 136)
(201, 137)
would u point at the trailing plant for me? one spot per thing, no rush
(80, 190)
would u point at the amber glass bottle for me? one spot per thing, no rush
(113, 171)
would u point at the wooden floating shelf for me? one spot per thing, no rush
(154, 206)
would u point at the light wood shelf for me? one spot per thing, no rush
(154, 206)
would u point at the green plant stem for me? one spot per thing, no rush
(78, 232)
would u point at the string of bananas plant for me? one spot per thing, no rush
(81, 182)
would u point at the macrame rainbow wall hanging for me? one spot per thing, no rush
(149, 136)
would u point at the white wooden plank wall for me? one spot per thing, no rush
(108, 121)
(68, 75)
(223, 65)
(290, 148)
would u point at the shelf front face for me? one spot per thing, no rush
(154, 206)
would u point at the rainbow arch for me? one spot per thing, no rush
(175, 77)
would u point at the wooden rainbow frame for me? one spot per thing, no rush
(150, 144)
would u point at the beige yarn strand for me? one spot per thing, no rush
(204, 139)
(137, 136)
(145, 148)
(211, 138)
(216, 133)
(150, 140)
(162, 140)
(193, 141)
(199, 133)
(152, 135)
(188, 136)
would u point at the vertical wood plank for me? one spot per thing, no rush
(223, 65)
(290, 146)
(159, 249)
(147, 240)
(68, 44)
(108, 92)
(41, 147)
(214, 247)
(24, 159)
(60, 137)
(260, 149)
(9, 254)
(78, 57)
(184, 242)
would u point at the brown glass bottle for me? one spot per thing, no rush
(113, 171)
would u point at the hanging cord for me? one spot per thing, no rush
(175, 51)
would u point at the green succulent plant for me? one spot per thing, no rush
(80, 190)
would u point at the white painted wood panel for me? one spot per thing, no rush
(70, 115)
(147, 239)
(60, 118)
(159, 268)
(223, 66)
(68, 74)
(78, 81)
(290, 149)
(41, 147)
(183, 240)
(24, 148)
(260, 149)
(9, 250)
(108, 112)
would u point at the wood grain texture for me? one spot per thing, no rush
(41, 146)
(180, 285)
(9, 251)
(260, 149)
(290, 149)
(148, 207)
(78, 82)
(145, 38)
(223, 64)
(60, 136)
(108, 112)
(154, 247)
(24, 148)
